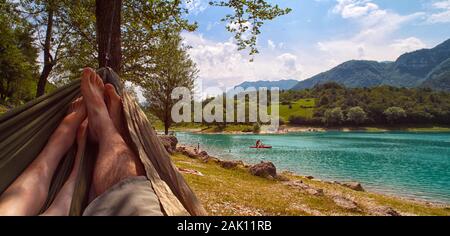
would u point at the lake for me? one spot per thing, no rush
(415, 165)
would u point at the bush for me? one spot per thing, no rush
(299, 120)
(356, 115)
(333, 116)
(394, 114)
(419, 116)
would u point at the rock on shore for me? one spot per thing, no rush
(264, 169)
(353, 185)
(170, 143)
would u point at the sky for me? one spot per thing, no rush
(316, 36)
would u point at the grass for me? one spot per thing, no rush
(303, 108)
(235, 192)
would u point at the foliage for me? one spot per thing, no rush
(54, 32)
(248, 18)
(356, 115)
(174, 69)
(301, 120)
(394, 114)
(422, 106)
(65, 32)
(17, 56)
(333, 116)
(143, 24)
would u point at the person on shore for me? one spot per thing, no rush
(119, 185)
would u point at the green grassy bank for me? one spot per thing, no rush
(237, 192)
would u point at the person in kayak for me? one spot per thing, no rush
(258, 143)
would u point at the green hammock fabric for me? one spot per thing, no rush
(24, 132)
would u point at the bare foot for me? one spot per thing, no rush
(28, 193)
(92, 88)
(115, 160)
(61, 204)
(114, 104)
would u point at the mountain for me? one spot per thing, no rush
(282, 84)
(351, 74)
(439, 78)
(409, 70)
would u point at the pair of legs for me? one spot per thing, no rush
(115, 161)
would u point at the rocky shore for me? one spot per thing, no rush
(355, 199)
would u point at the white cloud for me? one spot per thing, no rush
(354, 8)
(271, 44)
(196, 6)
(221, 64)
(442, 4)
(373, 39)
(290, 67)
(274, 46)
(442, 14)
(408, 44)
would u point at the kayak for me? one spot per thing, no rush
(262, 147)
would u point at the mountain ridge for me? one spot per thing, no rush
(282, 84)
(411, 69)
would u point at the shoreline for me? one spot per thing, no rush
(288, 129)
(433, 203)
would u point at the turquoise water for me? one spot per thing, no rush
(415, 165)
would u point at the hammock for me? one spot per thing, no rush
(24, 132)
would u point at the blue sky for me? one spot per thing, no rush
(316, 36)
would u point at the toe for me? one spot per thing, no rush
(82, 105)
(112, 94)
(107, 98)
(87, 72)
(99, 81)
(92, 77)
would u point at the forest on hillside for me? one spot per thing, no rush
(384, 105)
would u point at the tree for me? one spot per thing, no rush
(394, 114)
(17, 55)
(123, 34)
(356, 115)
(333, 116)
(142, 22)
(174, 69)
(248, 17)
(53, 30)
(323, 101)
(108, 20)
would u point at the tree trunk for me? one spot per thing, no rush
(48, 62)
(108, 15)
(43, 79)
(166, 128)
